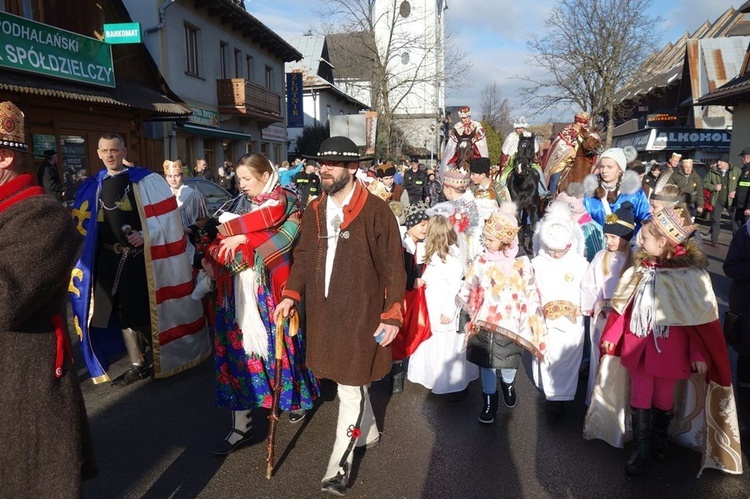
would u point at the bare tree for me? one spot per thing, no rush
(495, 108)
(389, 53)
(591, 49)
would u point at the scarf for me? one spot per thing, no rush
(504, 259)
(17, 189)
(642, 319)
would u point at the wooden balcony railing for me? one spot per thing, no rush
(242, 96)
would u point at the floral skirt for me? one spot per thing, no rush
(246, 381)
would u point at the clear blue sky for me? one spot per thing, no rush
(496, 44)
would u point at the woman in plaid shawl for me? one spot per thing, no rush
(250, 262)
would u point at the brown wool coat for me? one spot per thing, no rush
(366, 288)
(44, 432)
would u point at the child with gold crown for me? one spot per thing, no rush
(501, 297)
(664, 327)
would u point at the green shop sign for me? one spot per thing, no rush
(42, 49)
(122, 33)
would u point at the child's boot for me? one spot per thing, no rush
(638, 461)
(659, 444)
(487, 416)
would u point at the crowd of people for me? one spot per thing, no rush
(614, 286)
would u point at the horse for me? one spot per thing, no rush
(522, 186)
(465, 150)
(589, 146)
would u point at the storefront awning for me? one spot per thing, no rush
(210, 131)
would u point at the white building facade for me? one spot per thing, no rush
(229, 67)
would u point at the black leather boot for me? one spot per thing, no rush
(398, 373)
(659, 443)
(638, 461)
(487, 416)
(509, 393)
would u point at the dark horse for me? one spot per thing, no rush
(583, 163)
(465, 150)
(522, 186)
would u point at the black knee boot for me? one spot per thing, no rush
(659, 444)
(398, 373)
(638, 461)
(489, 409)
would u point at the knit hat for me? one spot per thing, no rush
(414, 214)
(172, 167)
(503, 223)
(617, 154)
(621, 223)
(670, 222)
(12, 135)
(480, 165)
(385, 170)
(456, 177)
(557, 231)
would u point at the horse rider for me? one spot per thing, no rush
(465, 129)
(510, 149)
(564, 148)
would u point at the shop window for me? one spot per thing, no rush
(30, 9)
(72, 151)
(208, 154)
(192, 55)
(229, 151)
(250, 147)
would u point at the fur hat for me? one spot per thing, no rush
(12, 134)
(520, 122)
(480, 165)
(617, 154)
(631, 154)
(676, 156)
(385, 170)
(464, 112)
(456, 177)
(503, 223)
(557, 231)
(414, 214)
(670, 222)
(576, 203)
(622, 222)
(172, 167)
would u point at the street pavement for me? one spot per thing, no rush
(154, 439)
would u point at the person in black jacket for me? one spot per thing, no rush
(48, 176)
(742, 198)
(307, 183)
(415, 183)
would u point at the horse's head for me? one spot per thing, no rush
(525, 153)
(591, 143)
(465, 147)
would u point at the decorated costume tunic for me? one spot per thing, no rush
(559, 281)
(179, 335)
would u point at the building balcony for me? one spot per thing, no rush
(242, 97)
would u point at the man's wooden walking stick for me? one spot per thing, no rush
(273, 418)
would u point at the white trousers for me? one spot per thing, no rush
(356, 427)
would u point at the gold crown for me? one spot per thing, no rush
(378, 188)
(172, 167)
(669, 221)
(500, 226)
(464, 112)
(11, 126)
(582, 117)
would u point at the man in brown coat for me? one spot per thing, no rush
(348, 264)
(44, 431)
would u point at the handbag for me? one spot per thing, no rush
(416, 327)
(732, 326)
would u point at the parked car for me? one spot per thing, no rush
(216, 195)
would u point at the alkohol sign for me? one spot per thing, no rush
(42, 49)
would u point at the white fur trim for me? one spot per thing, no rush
(630, 183)
(590, 183)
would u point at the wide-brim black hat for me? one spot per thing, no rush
(338, 149)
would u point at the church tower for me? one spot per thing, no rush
(410, 35)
